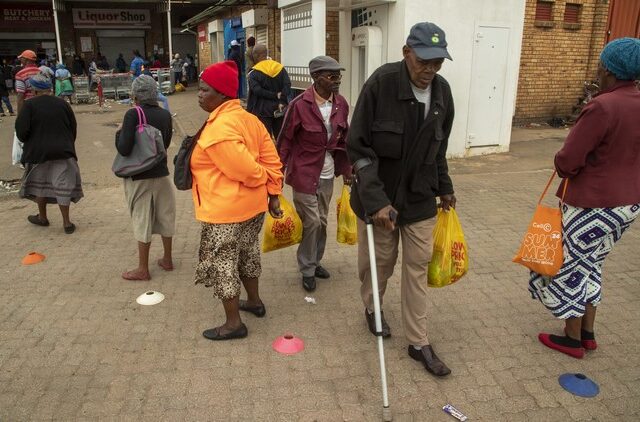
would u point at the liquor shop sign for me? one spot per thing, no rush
(111, 18)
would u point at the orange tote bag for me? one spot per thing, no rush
(541, 249)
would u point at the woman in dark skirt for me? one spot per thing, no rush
(47, 127)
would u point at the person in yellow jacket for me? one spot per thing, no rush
(269, 90)
(236, 178)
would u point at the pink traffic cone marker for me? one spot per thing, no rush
(288, 344)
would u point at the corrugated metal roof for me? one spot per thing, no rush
(212, 10)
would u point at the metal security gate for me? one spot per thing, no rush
(113, 42)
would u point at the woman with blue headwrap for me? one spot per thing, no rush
(600, 163)
(47, 127)
(64, 88)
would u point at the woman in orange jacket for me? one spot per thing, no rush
(236, 178)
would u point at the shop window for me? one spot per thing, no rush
(572, 12)
(544, 14)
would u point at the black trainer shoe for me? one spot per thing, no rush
(321, 272)
(309, 283)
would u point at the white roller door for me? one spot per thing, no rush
(111, 47)
(113, 42)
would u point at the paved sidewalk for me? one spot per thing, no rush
(74, 344)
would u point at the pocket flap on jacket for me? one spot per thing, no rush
(388, 126)
(310, 127)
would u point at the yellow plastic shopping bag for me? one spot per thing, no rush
(282, 232)
(347, 220)
(449, 261)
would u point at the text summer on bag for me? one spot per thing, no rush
(541, 249)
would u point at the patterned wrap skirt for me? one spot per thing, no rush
(57, 180)
(227, 253)
(588, 236)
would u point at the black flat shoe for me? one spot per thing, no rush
(309, 283)
(430, 360)
(214, 333)
(35, 219)
(371, 323)
(70, 229)
(258, 311)
(321, 272)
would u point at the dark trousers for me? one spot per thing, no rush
(6, 101)
(272, 124)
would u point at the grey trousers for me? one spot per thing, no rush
(313, 210)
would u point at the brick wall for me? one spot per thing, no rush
(557, 58)
(332, 47)
(204, 55)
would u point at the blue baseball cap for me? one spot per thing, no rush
(428, 41)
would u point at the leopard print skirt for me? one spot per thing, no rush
(227, 253)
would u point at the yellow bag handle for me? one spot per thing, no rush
(564, 188)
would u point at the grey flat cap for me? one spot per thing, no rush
(428, 41)
(320, 63)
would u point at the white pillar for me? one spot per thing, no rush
(344, 38)
(169, 29)
(319, 24)
(55, 21)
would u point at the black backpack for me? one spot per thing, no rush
(182, 161)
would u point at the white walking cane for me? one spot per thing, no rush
(386, 410)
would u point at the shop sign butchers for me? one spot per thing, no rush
(27, 16)
(111, 18)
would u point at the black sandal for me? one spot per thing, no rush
(258, 311)
(35, 219)
(70, 229)
(214, 333)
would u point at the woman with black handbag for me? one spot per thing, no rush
(150, 195)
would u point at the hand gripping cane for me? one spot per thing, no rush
(386, 410)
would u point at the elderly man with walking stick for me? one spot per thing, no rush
(397, 144)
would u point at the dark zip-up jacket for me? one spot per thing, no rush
(408, 152)
(263, 92)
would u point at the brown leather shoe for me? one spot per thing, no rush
(430, 360)
(371, 322)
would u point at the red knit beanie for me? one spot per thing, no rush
(223, 77)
